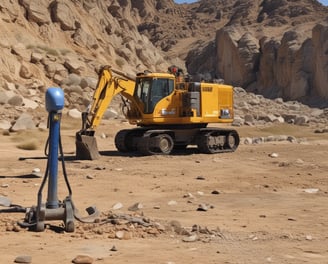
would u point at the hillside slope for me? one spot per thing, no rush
(277, 48)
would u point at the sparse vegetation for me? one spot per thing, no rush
(30, 144)
(51, 51)
(29, 139)
(5, 133)
(64, 52)
(30, 47)
(48, 50)
(119, 62)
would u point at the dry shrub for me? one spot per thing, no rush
(69, 123)
(6, 133)
(29, 144)
(29, 139)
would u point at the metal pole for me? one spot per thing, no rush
(52, 200)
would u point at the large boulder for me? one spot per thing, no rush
(37, 11)
(62, 13)
(237, 56)
(24, 121)
(320, 59)
(267, 84)
(292, 66)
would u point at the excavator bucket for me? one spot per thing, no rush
(86, 147)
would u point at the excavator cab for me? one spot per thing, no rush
(150, 90)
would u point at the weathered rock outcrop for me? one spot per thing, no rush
(320, 59)
(275, 48)
(55, 29)
(290, 67)
(237, 56)
(294, 67)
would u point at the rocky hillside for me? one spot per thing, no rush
(278, 48)
(275, 48)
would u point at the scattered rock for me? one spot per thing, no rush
(323, 130)
(135, 207)
(258, 140)
(202, 207)
(188, 195)
(192, 238)
(309, 237)
(37, 172)
(124, 235)
(311, 190)
(16, 100)
(103, 136)
(273, 155)
(248, 141)
(23, 259)
(113, 248)
(110, 113)
(4, 201)
(74, 113)
(27, 103)
(176, 226)
(301, 120)
(99, 167)
(4, 124)
(117, 206)
(119, 234)
(172, 202)
(83, 259)
(299, 162)
(25, 121)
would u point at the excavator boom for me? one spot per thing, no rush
(108, 86)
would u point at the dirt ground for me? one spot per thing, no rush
(260, 209)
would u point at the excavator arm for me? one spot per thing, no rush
(107, 87)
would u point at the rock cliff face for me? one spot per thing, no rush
(275, 48)
(97, 31)
(293, 68)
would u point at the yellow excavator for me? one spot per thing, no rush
(170, 112)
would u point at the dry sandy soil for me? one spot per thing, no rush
(264, 210)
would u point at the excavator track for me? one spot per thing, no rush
(210, 141)
(154, 143)
(126, 140)
(162, 141)
(123, 142)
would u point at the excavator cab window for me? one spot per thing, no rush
(151, 90)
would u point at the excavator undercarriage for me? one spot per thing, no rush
(164, 141)
(151, 141)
